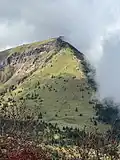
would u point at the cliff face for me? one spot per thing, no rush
(48, 78)
(25, 59)
(23, 53)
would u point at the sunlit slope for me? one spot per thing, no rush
(48, 80)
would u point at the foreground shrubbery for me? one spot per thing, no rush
(13, 148)
(38, 140)
(92, 146)
(51, 143)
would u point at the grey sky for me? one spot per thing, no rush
(93, 26)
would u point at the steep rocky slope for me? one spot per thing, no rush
(47, 80)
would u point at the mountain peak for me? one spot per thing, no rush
(48, 77)
(35, 48)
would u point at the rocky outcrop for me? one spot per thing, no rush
(28, 58)
(55, 45)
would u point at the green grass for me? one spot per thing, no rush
(58, 87)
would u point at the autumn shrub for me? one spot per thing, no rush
(28, 153)
(12, 148)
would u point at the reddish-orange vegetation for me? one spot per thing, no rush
(17, 149)
(28, 154)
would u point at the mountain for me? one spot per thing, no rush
(47, 80)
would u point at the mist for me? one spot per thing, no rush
(93, 26)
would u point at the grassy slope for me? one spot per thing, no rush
(57, 90)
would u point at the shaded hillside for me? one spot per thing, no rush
(47, 80)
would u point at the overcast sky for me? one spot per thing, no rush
(93, 26)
